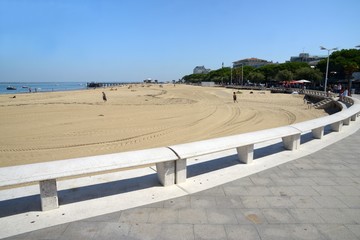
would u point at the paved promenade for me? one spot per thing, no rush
(316, 196)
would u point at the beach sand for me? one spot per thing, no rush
(51, 126)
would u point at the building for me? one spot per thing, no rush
(253, 62)
(201, 70)
(305, 57)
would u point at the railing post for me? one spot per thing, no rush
(353, 117)
(336, 127)
(318, 133)
(48, 195)
(246, 153)
(346, 121)
(166, 173)
(291, 142)
(180, 171)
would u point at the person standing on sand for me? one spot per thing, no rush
(104, 97)
(234, 97)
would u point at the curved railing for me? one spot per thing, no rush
(171, 161)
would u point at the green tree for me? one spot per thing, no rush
(238, 78)
(284, 75)
(292, 66)
(337, 62)
(269, 71)
(256, 77)
(194, 78)
(313, 75)
(221, 75)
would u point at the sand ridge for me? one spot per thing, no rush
(60, 125)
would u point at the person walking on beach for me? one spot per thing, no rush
(234, 97)
(104, 97)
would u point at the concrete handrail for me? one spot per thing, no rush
(79, 166)
(46, 173)
(170, 161)
(194, 149)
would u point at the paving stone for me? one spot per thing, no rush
(329, 202)
(350, 201)
(177, 232)
(326, 190)
(322, 181)
(207, 232)
(348, 190)
(265, 181)
(335, 216)
(347, 181)
(216, 191)
(304, 202)
(202, 202)
(145, 231)
(257, 191)
(228, 202)
(81, 230)
(314, 173)
(305, 215)
(231, 190)
(303, 181)
(221, 216)
(111, 230)
(343, 173)
(250, 216)
(278, 215)
(280, 181)
(254, 202)
(336, 232)
(354, 229)
(354, 214)
(182, 202)
(279, 202)
(241, 182)
(46, 233)
(248, 232)
(284, 191)
(289, 231)
(304, 191)
(135, 215)
(163, 215)
(193, 216)
(111, 217)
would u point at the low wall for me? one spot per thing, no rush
(171, 161)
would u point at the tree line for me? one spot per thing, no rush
(341, 66)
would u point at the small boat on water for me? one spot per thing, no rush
(11, 88)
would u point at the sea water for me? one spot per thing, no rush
(26, 87)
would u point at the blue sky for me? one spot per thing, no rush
(131, 40)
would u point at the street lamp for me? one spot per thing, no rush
(242, 73)
(327, 64)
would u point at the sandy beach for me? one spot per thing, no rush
(51, 126)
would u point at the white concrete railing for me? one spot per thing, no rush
(171, 162)
(46, 173)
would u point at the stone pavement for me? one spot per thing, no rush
(313, 197)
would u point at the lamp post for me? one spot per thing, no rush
(327, 64)
(242, 73)
(231, 75)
